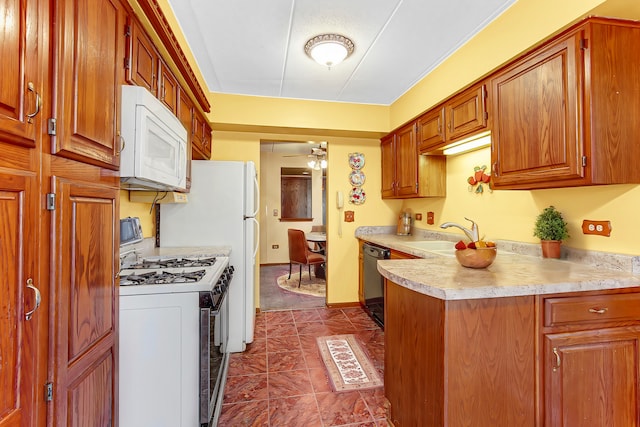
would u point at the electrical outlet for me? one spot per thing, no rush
(600, 228)
(418, 217)
(430, 218)
(275, 246)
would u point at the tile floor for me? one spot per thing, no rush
(281, 380)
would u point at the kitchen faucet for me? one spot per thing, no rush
(471, 234)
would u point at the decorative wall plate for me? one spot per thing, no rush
(357, 196)
(356, 160)
(356, 178)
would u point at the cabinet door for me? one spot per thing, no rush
(22, 79)
(168, 88)
(466, 113)
(142, 59)
(388, 147)
(591, 378)
(407, 162)
(18, 249)
(85, 226)
(536, 123)
(90, 46)
(431, 130)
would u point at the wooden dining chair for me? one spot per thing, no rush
(299, 252)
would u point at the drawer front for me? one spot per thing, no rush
(591, 309)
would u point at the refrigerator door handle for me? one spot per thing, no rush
(256, 196)
(257, 238)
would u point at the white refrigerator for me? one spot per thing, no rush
(220, 211)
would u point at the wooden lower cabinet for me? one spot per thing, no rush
(83, 325)
(592, 376)
(459, 363)
(563, 360)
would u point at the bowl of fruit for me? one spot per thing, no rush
(478, 254)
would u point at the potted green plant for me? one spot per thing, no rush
(551, 229)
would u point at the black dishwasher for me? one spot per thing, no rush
(373, 282)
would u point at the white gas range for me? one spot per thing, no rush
(174, 327)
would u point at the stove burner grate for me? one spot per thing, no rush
(173, 263)
(164, 277)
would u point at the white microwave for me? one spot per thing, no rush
(154, 154)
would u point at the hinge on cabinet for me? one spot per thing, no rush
(486, 115)
(127, 63)
(583, 44)
(584, 161)
(127, 30)
(48, 392)
(416, 187)
(51, 201)
(52, 126)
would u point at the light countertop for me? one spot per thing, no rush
(511, 274)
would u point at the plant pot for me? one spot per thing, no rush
(551, 248)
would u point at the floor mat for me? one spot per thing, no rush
(348, 365)
(308, 286)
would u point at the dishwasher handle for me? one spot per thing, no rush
(375, 251)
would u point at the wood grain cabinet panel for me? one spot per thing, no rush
(591, 378)
(86, 297)
(406, 173)
(431, 129)
(565, 114)
(466, 113)
(459, 363)
(22, 74)
(388, 172)
(142, 58)
(90, 47)
(168, 88)
(18, 337)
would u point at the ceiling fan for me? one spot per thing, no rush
(317, 158)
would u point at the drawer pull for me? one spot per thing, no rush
(555, 353)
(598, 310)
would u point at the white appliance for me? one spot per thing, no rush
(223, 203)
(154, 151)
(173, 332)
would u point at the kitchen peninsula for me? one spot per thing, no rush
(527, 341)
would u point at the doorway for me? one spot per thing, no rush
(300, 168)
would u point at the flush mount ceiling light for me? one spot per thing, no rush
(329, 49)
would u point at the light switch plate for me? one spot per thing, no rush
(348, 216)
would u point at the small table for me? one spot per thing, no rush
(320, 240)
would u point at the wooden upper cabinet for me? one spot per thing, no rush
(535, 127)
(466, 113)
(201, 137)
(22, 76)
(405, 173)
(90, 47)
(431, 130)
(406, 161)
(142, 58)
(168, 88)
(388, 173)
(566, 114)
